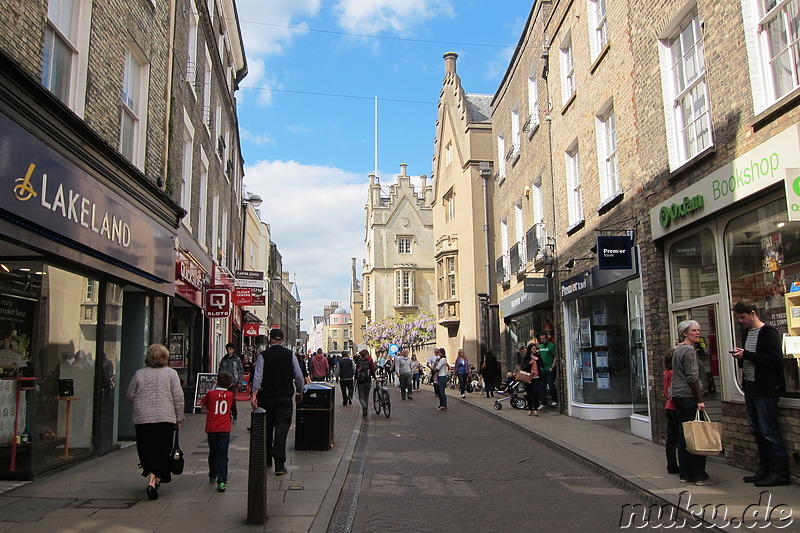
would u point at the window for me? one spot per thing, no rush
(335, 333)
(771, 30)
(533, 104)
(218, 140)
(133, 126)
(202, 221)
(215, 229)
(598, 30)
(346, 333)
(574, 191)
(607, 155)
(501, 157)
(191, 63)
(515, 137)
(693, 267)
(65, 51)
(335, 345)
(537, 209)
(186, 171)
(504, 248)
(449, 205)
(404, 245)
(519, 231)
(685, 93)
(207, 92)
(446, 273)
(450, 263)
(567, 71)
(366, 292)
(404, 282)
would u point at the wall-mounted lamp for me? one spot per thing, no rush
(254, 200)
(527, 192)
(593, 249)
(571, 263)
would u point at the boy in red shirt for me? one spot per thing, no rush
(217, 404)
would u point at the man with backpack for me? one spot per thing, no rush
(347, 372)
(365, 373)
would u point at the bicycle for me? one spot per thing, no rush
(380, 396)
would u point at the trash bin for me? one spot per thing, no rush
(314, 423)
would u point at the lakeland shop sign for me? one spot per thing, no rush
(42, 187)
(755, 170)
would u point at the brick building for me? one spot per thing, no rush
(672, 130)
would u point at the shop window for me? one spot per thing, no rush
(693, 265)
(763, 250)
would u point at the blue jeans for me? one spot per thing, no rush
(462, 383)
(549, 382)
(762, 417)
(363, 393)
(415, 381)
(442, 391)
(218, 456)
(693, 467)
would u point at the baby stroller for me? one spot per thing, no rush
(515, 393)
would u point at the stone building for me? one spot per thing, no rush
(664, 140)
(461, 205)
(87, 230)
(399, 269)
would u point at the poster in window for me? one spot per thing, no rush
(16, 329)
(601, 359)
(599, 317)
(603, 381)
(588, 367)
(586, 332)
(177, 344)
(601, 338)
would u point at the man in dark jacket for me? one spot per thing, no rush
(231, 362)
(276, 378)
(761, 361)
(347, 373)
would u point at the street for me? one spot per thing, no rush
(425, 470)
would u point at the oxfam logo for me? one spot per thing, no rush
(796, 186)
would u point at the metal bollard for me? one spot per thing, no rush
(257, 471)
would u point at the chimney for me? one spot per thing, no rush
(403, 167)
(450, 62)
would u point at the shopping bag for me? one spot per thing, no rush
(703, 437)
(523, 377)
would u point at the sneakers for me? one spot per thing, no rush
(211, 480)
(221, 487)
(554, 404)
(463, 395)
(705, 482)
(280, 470)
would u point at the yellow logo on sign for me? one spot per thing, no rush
(23, 189)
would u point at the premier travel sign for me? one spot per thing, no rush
(755, 170)
(42, 187)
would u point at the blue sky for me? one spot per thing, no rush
(307, 112)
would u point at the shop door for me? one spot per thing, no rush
(707, 350)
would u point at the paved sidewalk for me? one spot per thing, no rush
(107, 493)
(641, 464)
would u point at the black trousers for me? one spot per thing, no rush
(279, 418)
(347, 389)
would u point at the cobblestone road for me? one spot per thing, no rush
(467, 470)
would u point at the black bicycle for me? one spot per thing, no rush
(380, 396)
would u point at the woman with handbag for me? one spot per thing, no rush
(157, 398)
(686, 392)
(531, 364)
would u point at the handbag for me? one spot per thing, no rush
(523, 377)
(703, 437)
(176, 461)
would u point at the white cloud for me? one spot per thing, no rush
(373, 17)
(257, 139)
(265, 25)
(316, 217)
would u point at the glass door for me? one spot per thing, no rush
(707, 351)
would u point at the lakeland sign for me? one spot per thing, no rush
(752, 172)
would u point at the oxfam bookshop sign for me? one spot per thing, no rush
(771, 162)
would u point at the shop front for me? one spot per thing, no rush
(605, 345)
(741, 240)
(85, 279)
(527, 314)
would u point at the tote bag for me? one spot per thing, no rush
(703, 437)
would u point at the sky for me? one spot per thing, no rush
(307, 113)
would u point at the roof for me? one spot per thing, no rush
(341, 311)
(479, 108)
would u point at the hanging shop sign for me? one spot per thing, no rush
(249, 278)
(44, 188)
(218, 303)
(764, 166)
(242, 296)
(614, 252)
(792, 186)
(251, 329)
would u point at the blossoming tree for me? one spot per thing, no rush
(407, 332)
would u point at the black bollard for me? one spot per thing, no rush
(257, 471)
